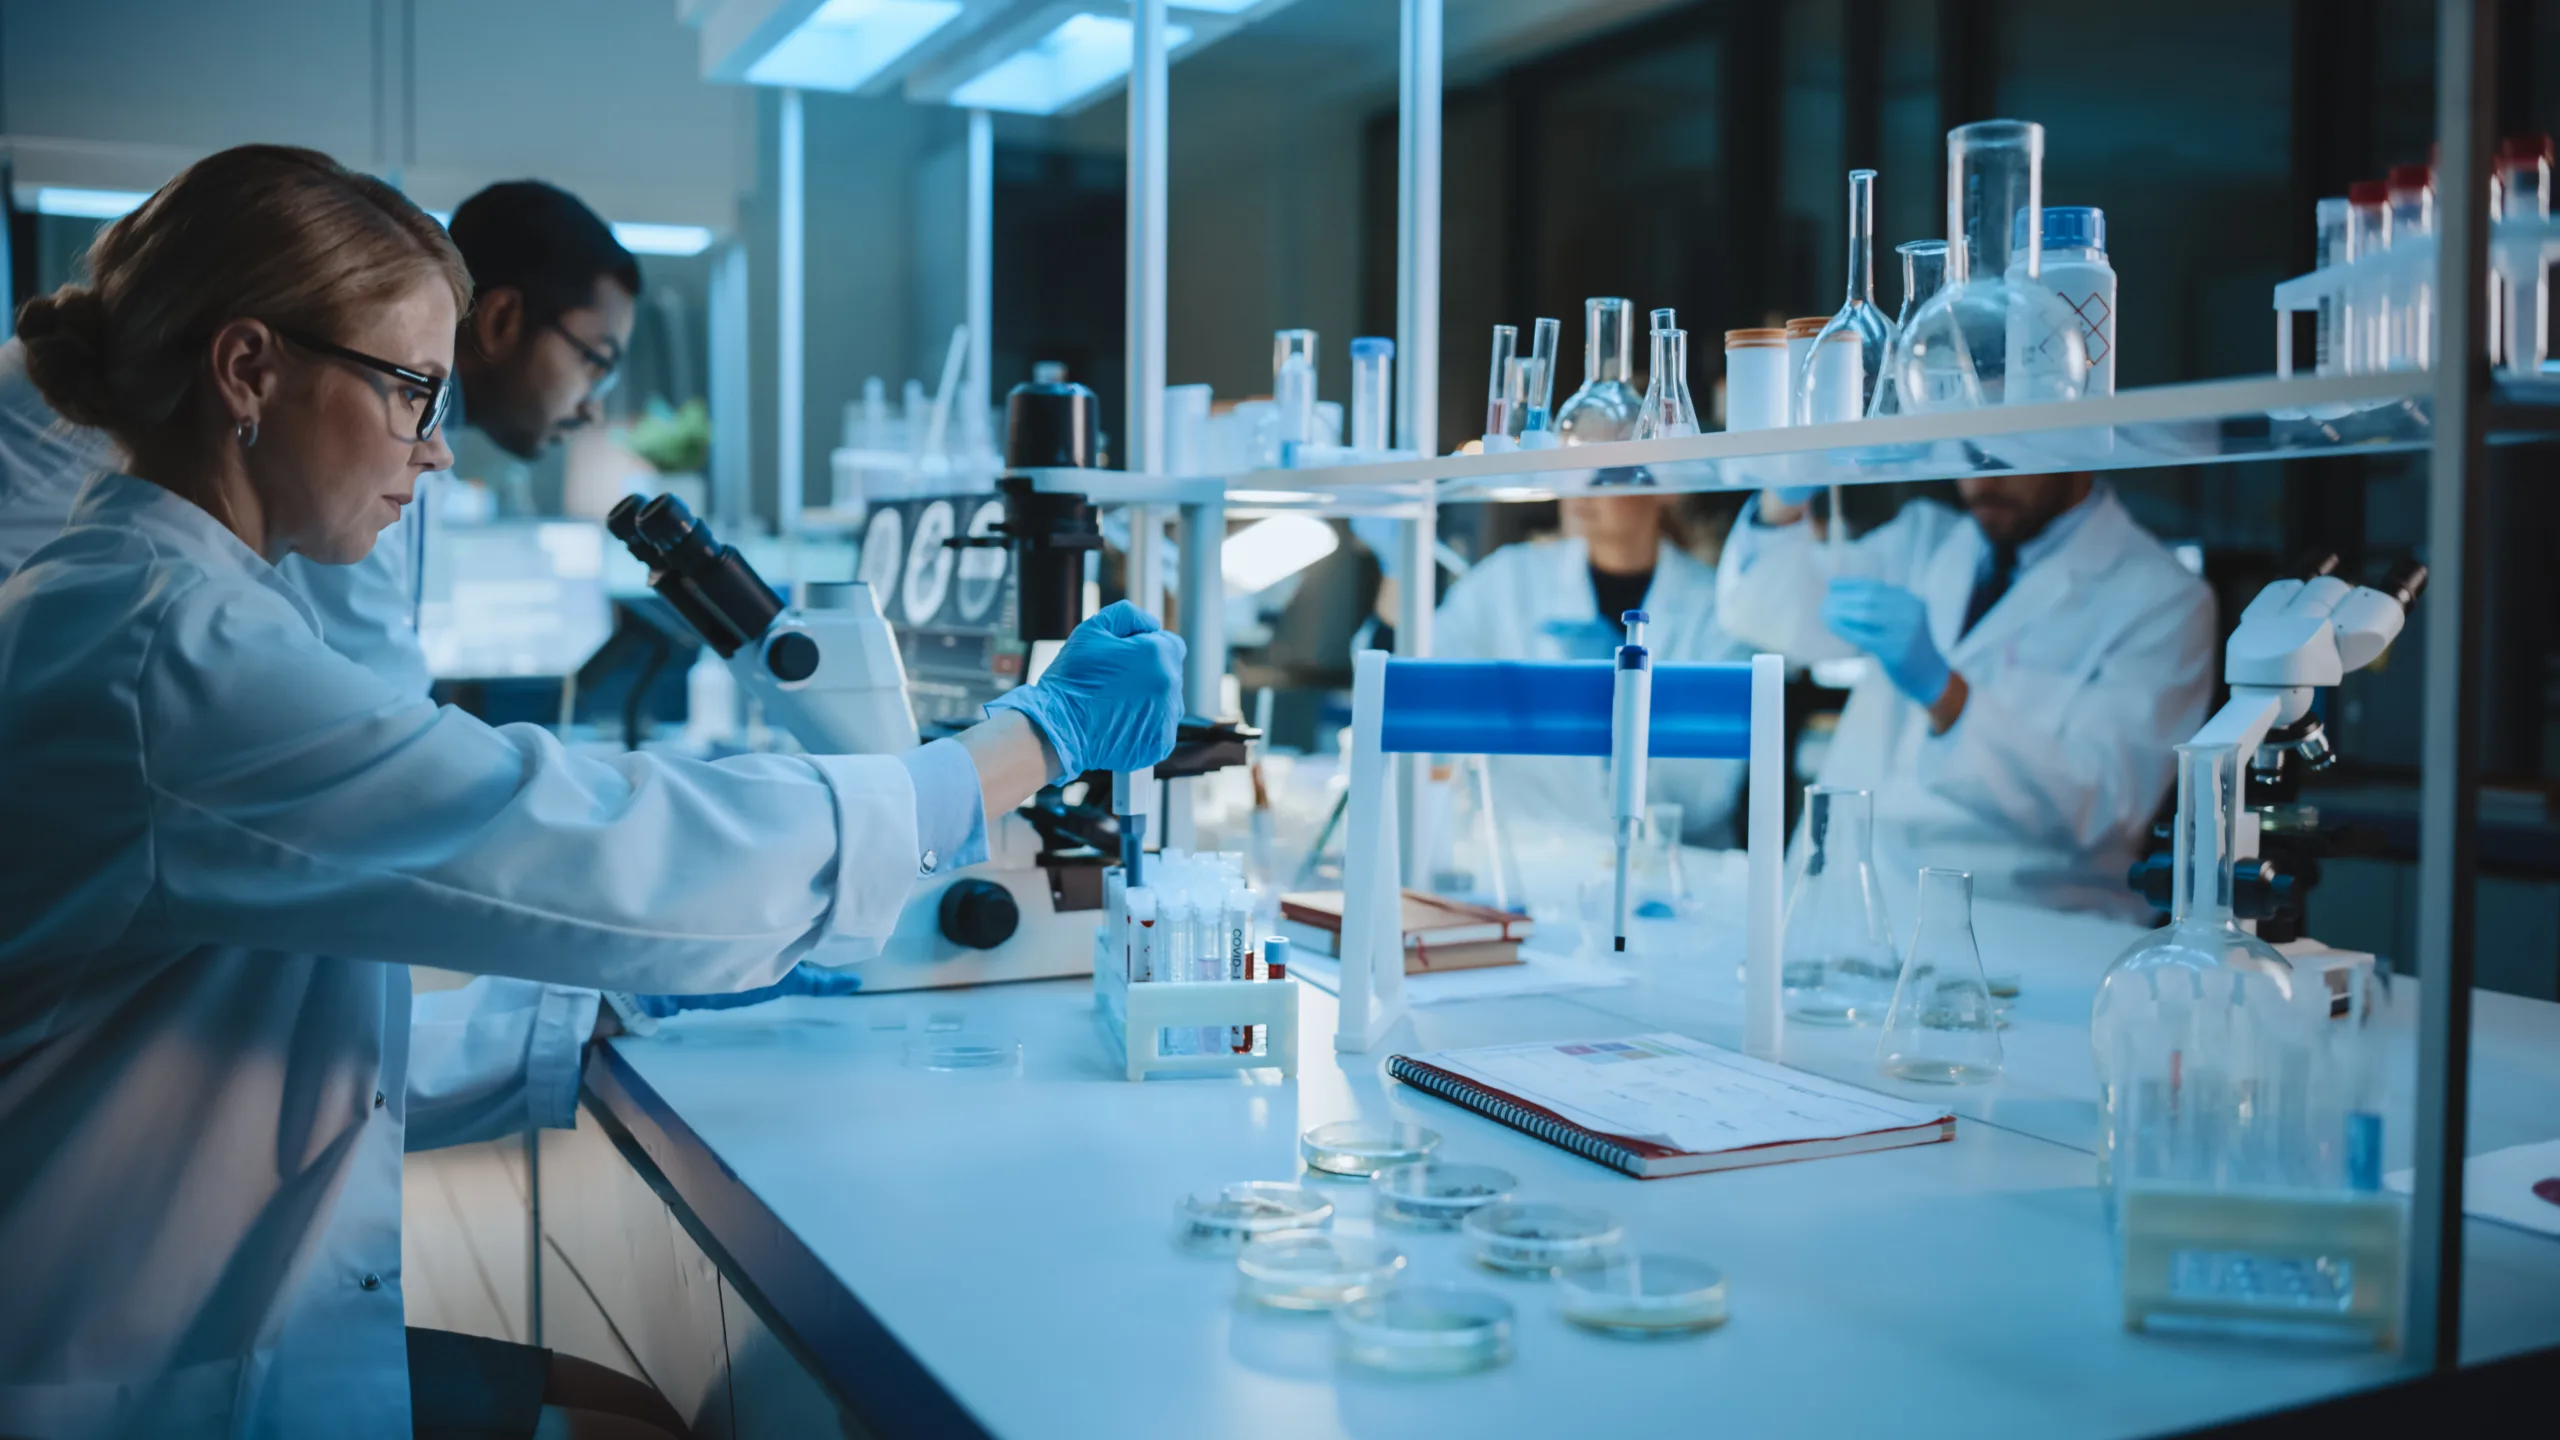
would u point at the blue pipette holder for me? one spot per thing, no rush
(1515, 707)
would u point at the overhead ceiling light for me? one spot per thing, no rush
(1070, 63)
(1215, 7)
(1267, 552)
(846, 42)
(80, 204)
(643, 239)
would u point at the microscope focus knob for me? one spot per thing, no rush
(791, 656)
(979, 914)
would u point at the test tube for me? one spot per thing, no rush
(2368, 319)
(1143, 930)
(1235, 927)
(2412, 192)
(1516, 374)
(1293, 389)
(1542, 388)
(1497, 396)
(2329, 348)
(1372, 366)
(2524, 186)
(1115, 910)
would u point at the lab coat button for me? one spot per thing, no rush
(925, 866)
(371, 1281)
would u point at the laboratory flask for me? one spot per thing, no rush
(1835, 950)
(2214, 1054)
(1924, 269)
(1606, 407)
(1994, 334)
(1859, 316)
(1668, 410)
(1942, 1029)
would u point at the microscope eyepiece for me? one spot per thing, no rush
(2405, 583)
(711, 584)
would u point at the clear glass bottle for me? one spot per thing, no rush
(1973, 343)
(2213, 1053)
(1668, 410)
(1943, 1029)
(1859, 314)
(1924, 269)
(1606, 407)
(1835, 950)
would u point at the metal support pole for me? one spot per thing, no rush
(733, 502)
(1202, 539)
(1142, 447)
(2449, 803)
(1418, 357)
(977, 390)
(790, 376)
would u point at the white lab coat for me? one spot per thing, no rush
(2080, 682)
(1533, 601)
(203, 1118)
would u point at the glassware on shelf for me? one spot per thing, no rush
(1497, 390)
(2329, 344)
(2411, 190)
(1859, 315)
(1293, 390)
(1668, 411)
(2524, 198)
(1973, 343)
(1924, 270)
(1835, 949)
(2368, 319)
(1372, 392)
(1539, 419)
(1943, 1029)
(1606, 407)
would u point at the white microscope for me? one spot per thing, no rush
(2298, 637)
(828, 671)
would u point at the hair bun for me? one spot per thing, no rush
(66, 338)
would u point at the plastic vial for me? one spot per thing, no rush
(1225, 1218)
(2412, 191)
(1362, 1148)
(1755, 379)
(1668, 411)
(1606, 407)
(1315, 1272)
(1372, 386)
(1994, 334)
(1293, 390)
(1858, 316)
(1532, 1240)
(2076, 269)
(1434, 1195)
(1540, 421)
(1641, 1296)
(2524, 196)
(1426, 1330)
(2329, 347)
(2368, 302)
(1835, 949)
(1943, 1028)
(1497, 385)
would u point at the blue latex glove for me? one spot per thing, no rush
(1891, 624)
(800, 981)
(1798, 494)
(1112, 698)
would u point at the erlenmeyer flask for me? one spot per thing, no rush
(1835, 951)
(1924, 269)
(1993, 334)
(1858, 316)
(1942, 1029)
(1668, 411)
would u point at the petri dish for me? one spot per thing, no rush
(1315, 1272)
(1364, 1147)
(1532, 1240)
(1225, 1218)
(963, 1050)
(1436, 1195)
(1620, 1293)
(1426, 1330)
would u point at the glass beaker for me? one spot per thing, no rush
(1943, 1029)
(1994, 334)
(2210, 1048)
(1668, 411)
(1606, 406)
(1924, 269)
(1859, 315)
(1835, 951)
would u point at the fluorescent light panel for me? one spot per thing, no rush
(642, 239)
(1214, 7)
(639, 238)
(1084, 54)
(846, 42)
(1267, 552)
(88, 204)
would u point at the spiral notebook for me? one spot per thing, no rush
(1657, 1105)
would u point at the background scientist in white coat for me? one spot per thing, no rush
(202, 806)
(2037, 659)
(1561, 599)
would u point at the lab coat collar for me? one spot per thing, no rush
(171, 522)
(1562, 596)
(2095, 536)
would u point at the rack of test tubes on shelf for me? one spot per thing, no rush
(1183, 982)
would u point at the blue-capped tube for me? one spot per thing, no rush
(1630, 725)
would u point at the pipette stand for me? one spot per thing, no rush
(1135, 1017)
(1501, 707)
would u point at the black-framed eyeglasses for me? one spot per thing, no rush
(607, 364)
(432, 409)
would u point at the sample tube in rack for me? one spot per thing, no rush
(1293, 389)
(2412, 191)
(2524, 197)
(2329, 347)
(1497, 394)
(2368, 320)
(1372, 385)
(1540, 421)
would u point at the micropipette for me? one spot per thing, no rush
(1630, 725)
(1127, 786)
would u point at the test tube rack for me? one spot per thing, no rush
(2514, 245)
(1134, 1018)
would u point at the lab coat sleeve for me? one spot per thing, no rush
(2083, 761)
(296, 802)
(1771, 578)
(496, 1057)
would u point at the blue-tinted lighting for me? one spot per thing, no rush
(88, 204)
(1084, 54)
(846, 42)
(662, 239)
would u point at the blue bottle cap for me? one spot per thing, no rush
(1377, 347)
(2066, 227)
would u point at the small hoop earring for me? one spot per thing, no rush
(247, 433)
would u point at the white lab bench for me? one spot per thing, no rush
(956, 1253)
